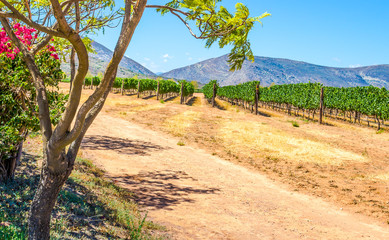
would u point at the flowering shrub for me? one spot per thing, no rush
(18, 111)
(25, 35)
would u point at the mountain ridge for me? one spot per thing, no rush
(265, 69)
(282, 71)
(99, 60)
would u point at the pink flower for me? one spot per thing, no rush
(10, 55)
(25, 35)
(55, 56)
(51, 48)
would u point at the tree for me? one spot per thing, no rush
(195, 84)
(61, 144)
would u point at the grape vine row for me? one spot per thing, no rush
(369, 101)
(143, 85)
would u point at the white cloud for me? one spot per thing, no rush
(336, 59)
(187, 54)
(166, 56)
(355, 65)
(190, 58)
(150, 65)
(147, 59)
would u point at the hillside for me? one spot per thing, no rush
(100, 60)
(282, 71)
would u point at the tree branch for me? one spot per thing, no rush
(75, 145)
(29, 22)
(7, 15)
(59, 15)
(41, 44)
(203, 34)
(44, 111)
(130, 22)
(27, 4)
(169, 8)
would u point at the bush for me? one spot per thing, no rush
(18, 112)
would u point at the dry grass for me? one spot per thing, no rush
(178, 124)
(149, 107)
(197, 102)
(324, 134)
(116, 102)
(225, 105)
(271, 113)
(383, 176)
(261, 140)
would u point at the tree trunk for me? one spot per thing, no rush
(72, 67)
(214, 95)
(321, 105)
(8, 165)
(138, 88)
(43, 203)
(256, 98)
(378, 122)
(157, 91)
(182, 93)
(122, 87)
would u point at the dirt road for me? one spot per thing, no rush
(200, 196)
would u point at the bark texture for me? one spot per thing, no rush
(8, 164)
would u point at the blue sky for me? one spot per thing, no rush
(338, 33)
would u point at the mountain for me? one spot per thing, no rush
(281, 71)
(98, 62)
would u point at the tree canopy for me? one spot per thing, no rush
(215, 23)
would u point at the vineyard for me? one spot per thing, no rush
(355, 104)
(161, 88)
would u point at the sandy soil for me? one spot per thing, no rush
(343, 163)
(198, 195)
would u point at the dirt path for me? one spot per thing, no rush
(200, 196)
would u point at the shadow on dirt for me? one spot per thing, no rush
(217, 105)
(158, 189)
(148, 97)
(121, 145)
(170, 98)
(192, 101)
(263, 114)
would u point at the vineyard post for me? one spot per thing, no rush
(122, 89)
(321, 105)
(138, 88)
(256, 98)
(214, 95)
(158, 90)
(378, 121)
(182, 93)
